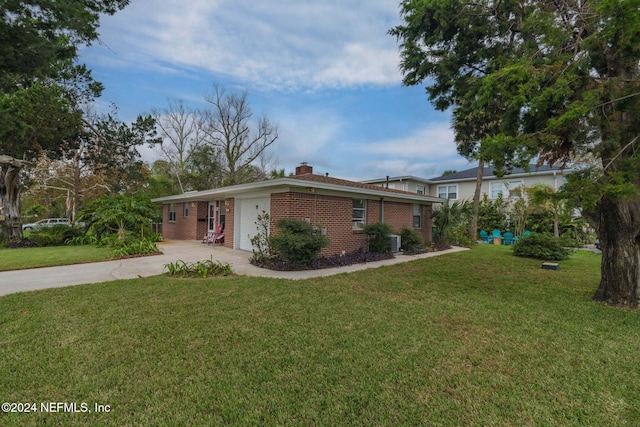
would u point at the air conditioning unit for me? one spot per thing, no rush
(395, 242)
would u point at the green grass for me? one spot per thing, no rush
(472, 338)
(22, 258)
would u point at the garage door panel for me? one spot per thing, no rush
(249, 211)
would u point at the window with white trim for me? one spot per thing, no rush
(496, 189)
(508, 189)
(420, 189)
(185, 209)
(172, 212)
(448, 191)
(359, 214)
(417, 216)
(514, 188)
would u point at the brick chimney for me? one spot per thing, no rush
(304, 168)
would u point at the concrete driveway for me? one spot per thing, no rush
(173, 250)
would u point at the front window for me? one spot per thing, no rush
(172, 212)
(515, 188)
(496, 189)
(448, 191)
(359, 214)
(420, 189)
(506, 189)
(416, 216)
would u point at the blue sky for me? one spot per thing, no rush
(325, 72)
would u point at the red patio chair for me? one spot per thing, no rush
(217, 236)
(208, 237)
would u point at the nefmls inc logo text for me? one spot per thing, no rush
(64, 407)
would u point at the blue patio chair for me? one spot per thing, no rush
(507, 238)
(484, 236)
(496, 234)
(527, 233)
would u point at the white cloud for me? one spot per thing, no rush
(425, 153)
(283, 44)
(307, 136)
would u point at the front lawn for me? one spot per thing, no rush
(471, 338)
(22, 258)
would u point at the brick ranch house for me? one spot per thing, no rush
(339, 207)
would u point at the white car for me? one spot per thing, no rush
(47, 222)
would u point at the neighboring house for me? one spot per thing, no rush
(462, 185)
(409, 183)
(339, 207)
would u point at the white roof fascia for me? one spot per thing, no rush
(397, 178)
(283, 184)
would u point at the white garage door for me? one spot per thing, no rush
(249, 211)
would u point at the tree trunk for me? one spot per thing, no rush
(618, 225)
(10, 190)
(473, 223)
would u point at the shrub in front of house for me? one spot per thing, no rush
(261, 242)
(57, 235)
(378, 237)
(541, 246)
(411, 240)
(297, 242)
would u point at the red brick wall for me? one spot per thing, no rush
(398, 215)
(401, 214)
(184, 228)
(334, 213)
(330, 212)
(228, 222)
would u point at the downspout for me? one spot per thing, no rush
(381, 209)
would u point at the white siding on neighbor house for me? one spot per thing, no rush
(467, 188)
(406, 185)
(246, 214)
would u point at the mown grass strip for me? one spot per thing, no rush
(24, 258)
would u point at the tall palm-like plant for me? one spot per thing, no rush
(551, 199)
(118, 214)
(448, 217)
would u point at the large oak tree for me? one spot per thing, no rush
(563, 78)
(40, 85)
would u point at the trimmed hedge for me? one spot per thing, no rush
(297, 242)
(541, 246)
(378, 237)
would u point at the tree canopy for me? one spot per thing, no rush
(35, 35)
(41, 86)
(552, 82)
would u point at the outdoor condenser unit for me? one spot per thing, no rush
(395, 242)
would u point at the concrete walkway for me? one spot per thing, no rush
(173, 250)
